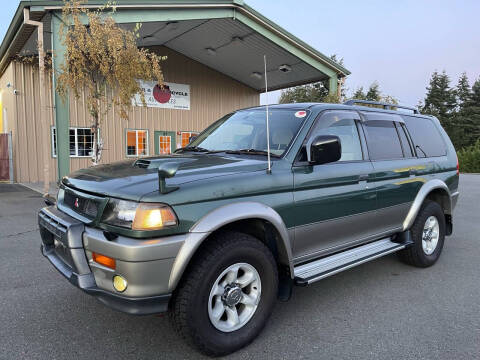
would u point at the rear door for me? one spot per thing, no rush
(334, 203)
(395, 169)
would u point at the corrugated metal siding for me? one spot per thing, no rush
(28, 140)
(212, 95)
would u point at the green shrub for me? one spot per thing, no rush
(469, 158)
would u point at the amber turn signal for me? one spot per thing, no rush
(104, 260)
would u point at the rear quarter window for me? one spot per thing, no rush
(426, 137)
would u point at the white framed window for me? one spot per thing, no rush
(81, 142)
(136, 141)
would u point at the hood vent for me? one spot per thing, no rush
(142, 163)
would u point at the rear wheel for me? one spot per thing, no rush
(428, 233)
(227, 294)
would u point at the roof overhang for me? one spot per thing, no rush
(227, 36)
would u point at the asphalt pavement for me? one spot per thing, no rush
(380, 310)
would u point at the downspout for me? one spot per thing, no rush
(43, 116)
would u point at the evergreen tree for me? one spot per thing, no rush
(359, 94)
(464, 127)
(440, 99)
(373, 93)
(474, 99)
(463, 91)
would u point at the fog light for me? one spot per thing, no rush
(119, 283)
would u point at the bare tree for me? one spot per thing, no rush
(103, 60)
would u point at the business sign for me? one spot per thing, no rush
(170, 96)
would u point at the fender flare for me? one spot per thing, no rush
(426, 189)
(220, 217)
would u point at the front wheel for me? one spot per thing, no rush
(227, 294)
(428, 233)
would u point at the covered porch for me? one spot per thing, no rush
(228, 37)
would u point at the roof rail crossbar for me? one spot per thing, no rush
(386, 106)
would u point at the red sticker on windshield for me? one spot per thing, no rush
(301, 114)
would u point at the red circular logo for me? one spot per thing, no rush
(162, 95)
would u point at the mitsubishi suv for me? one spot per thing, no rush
(218, 231)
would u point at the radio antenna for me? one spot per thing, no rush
(269, 170)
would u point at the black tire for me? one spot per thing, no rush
(189, 305)
(414, 254)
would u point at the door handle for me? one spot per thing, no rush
(363, 177)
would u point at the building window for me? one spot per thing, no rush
(186, 135)
(137, 142)
(81, 142)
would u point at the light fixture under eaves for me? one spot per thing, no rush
(256, 75)
(211, 51)
(285, 68)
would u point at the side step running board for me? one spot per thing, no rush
(319, 269)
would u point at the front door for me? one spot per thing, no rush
(165, 142)
(4, 158)
(334, 203)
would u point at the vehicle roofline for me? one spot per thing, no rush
(331, 106)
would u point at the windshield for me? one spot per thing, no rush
(246, 131)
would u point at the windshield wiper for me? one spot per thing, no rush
(250, 151)
(194, 149)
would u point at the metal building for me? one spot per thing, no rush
(215, 55)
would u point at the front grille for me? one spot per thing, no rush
(54, 227)
(81, 205)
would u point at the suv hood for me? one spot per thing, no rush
(131, 179)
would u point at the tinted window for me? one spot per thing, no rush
(425, 136)
(383, 141)
(407, 150)
(341, 124)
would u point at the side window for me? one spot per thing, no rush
(425, 136)
(343, 125)
(407, 149)
(137, 142)
(382, 140)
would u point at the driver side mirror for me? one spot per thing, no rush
(324, 149)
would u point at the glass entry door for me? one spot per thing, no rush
(165, 142)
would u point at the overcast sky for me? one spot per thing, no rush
(398, 43)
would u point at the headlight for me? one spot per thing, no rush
(138, 216)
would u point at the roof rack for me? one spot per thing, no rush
(386, 106)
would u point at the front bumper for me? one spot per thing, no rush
(146, 264)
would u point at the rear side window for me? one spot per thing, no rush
(383, 142)
(426, 137)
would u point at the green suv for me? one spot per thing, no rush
(220, 230)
